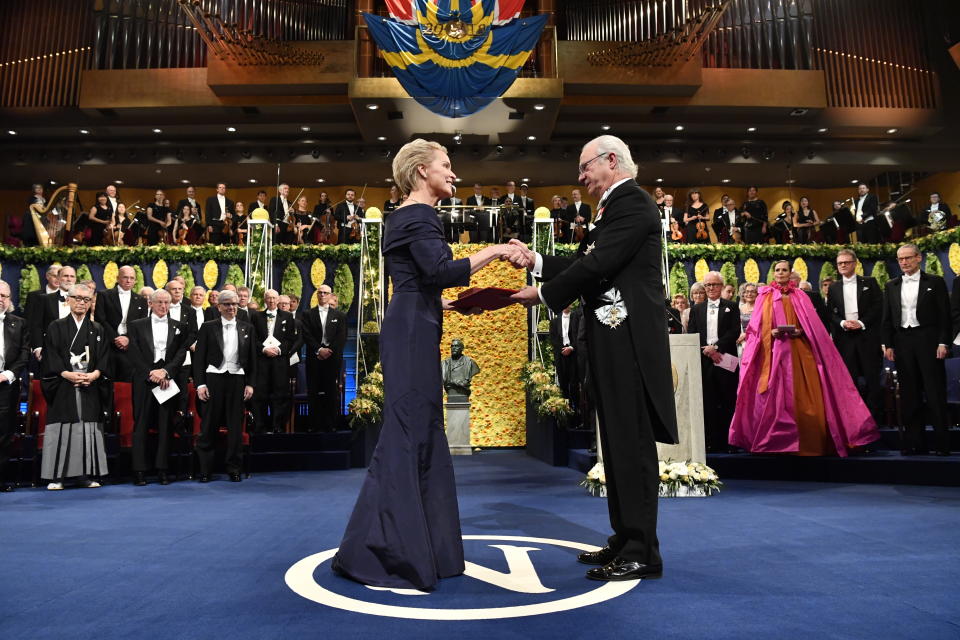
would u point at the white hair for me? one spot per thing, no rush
(613, 144)
(156, 294)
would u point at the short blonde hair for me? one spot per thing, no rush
(411, 156)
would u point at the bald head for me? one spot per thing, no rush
(126, 277)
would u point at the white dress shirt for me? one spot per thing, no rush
(713, 315)
(222, 201)
(323, 312)
(6, 373)
(859, 209)
(160, 328)
(174, 311)
(231, 350)
(565, 328)
(271, 321)
(124, 309)
(909, 291)
(64, 308)
(850, 308)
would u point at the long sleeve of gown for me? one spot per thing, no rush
(432, 258)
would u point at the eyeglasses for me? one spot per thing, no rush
(901, 259)
(228, 304)
(583, 167)
(324, 293)
(842, 262)
(4, 295)
(712, 284)
(82, 298)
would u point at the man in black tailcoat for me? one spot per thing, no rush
(14, 353)
(224, 372)
(219, 210)
(617, 276)
(276, 335)
(158, 345)
(563, 337)
(325, 334)
(855, 304)
(717, 321)
(116, 309)
(916, 332)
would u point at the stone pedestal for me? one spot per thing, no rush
(688, 396)
(458, 425)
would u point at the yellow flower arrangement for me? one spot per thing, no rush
(497, 340)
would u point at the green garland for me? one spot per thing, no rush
(83, 273)
(678, 280)
(234, 276)
(770, 273)
(933, 266)
(139, 282)
(828, 271)
(188, 280)
(880, 273)
(729, 274)
(171, 253)
(343, 287)
(291, 284)
(29, 281)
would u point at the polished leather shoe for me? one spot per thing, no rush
(162, 478)
(942, 453)
(6, 488)
(139, 480)
(601, 557)
(620, 570)
(234, 477)
(204, 477)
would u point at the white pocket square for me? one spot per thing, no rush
(866, 288)
(929, 288)
(726, 310)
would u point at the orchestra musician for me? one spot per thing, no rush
(938, 216)
(188, 229)
(578, 215)
(695, 218)
(160, 219)
(805, 220)
(191, 199)
(782, 227)
(393, 201)
(259, 203)
(239, 223)
(755, 217)
(865, 209)
(99, 221)
(480, 214)
(219, 212)
(305, 221)
(348, 217)
(28, 232)
(281, 210)
(112, 197)
(727, 222)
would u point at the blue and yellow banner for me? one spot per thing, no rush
(455, 56)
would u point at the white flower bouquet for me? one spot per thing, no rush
(677, 479)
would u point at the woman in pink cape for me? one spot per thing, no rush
(795, 394)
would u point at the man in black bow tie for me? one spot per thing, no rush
(52, 306)
(115, 309)
(157, 347)
(14, 353)
(616, 273)
(276, 334)
(325, 334)
(224, 371)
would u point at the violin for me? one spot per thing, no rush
(579, 232)
(675, 234)
(702, 230)
(329, 232)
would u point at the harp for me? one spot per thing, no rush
(56, 217)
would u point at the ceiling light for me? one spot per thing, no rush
(84, 131)
(725, 180)
(854, 181)
(389, 179)
(531, 138)
(373, 106)
(320, 180)
(304, 128)
(158, 130)
(252, 181)
(822, 130)
(458, 179)
(679, 127)
(751, 129)
(185, 181)
(891, 130)
(605, 127)
(659, 179)
(790, 181)
(524, 179)
(539, 107)
(231, 129)
(381, 138)
(12, 132)
(53, 182)
(118, 182)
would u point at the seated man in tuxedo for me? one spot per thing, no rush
(718, 323)
(224, 371)
(158, 345)
(14, 353)
(325, 334)
(276, 336)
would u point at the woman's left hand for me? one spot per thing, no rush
(447, 305)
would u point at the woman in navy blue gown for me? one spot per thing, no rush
(405, 528)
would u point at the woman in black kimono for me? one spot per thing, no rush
(405, 528)
(76, 388)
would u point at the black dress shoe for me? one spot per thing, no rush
(942, 453)
(6, 488)
(204, 477)
(619, 570)
(139, 480)
(234, 477)
(162, 477)
(600, 558)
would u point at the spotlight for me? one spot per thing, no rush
(822, 130)
(84, 131)
(659, 179)
(725, 180)
(892, 130)
(499, 149)
(252, 181)
(232, 129)
(12, 132)
(532, 138)
(382, 138)
(679, 127)
(751, 129)
(745, 152)
(458, 137)
(158, 130)
(315, 153)
(373, 106)
(539, 107)
(304, 129)
(605, 127)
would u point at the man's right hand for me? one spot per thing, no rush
(888, 354)
(567, 350)
(323, 353)
(121, 342)
(203, 393)
(38, 353)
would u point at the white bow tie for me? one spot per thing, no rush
(159, 320)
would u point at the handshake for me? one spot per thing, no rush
(517, 254)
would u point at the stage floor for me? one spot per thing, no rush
(762, 559)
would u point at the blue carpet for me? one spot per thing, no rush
(760, 560)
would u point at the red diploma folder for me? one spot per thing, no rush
(487, 298)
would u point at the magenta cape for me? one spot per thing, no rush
(765, 423)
